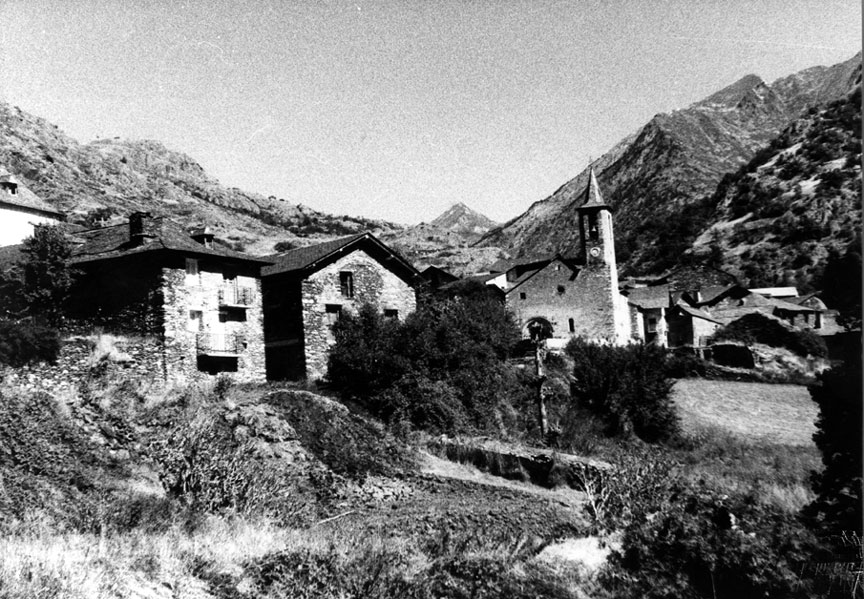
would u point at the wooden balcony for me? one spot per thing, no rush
(220, 345)
(236, 297)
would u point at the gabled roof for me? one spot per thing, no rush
(24, 199)
(649, 297)
(593, 198)
(696, 313)
(305, 260)
(162, 234)
(527, 275)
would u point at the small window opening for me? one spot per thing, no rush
(522, 296)
(593, 231)
(346, 283)
(561, 289)
(391, 313)
(191, 266)
(334, 313)
(572, 324)
(194, 324)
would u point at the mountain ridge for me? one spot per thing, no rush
(676, 158)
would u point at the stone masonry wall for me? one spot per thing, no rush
(134, 358)
(373, 284)
(587, 299)
(184, 294)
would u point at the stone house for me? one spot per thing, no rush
(648, 313)
(307, 289)
(576, 296)
(188, 304)
(21, 210)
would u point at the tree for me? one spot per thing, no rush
(539, 330)
(39, 284)
(838, 487)
(628, 388)
(841, 285)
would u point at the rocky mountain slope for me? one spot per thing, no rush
(459, 218)
(447, 241)
(798, 200)
(661, 173)
(106, 179)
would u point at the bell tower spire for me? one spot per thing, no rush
(595, 226)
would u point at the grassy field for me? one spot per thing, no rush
(781, 414)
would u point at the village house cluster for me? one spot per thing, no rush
(195, 307)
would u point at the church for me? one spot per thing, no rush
(576, 296)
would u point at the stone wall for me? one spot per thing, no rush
(587, 299)
(192, 308)
(82, 355)
(18, 224)
(373, 284)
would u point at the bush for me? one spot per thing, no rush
(839, 486)
(204, 466)
(707, 545)
(758, 328)
(26, 342)
(627, 387)
(442, 369)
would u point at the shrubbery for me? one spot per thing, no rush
(27, 342)
(837, 508)
(758, 328)
(442, 369)
(627, 387)
(706, 545)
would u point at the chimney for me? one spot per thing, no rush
(204, 236)
(139, 227)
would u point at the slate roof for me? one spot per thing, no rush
(593, 198)
(649, 297)
(26, 199)
(114, 242)
(309, 258)
(697, 313)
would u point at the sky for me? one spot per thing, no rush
(397, 109)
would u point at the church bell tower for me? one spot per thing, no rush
(595, 228)
(600, 275)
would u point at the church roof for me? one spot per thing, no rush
(593, 198)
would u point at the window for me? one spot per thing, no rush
(193, 325)
(394, 314)
(191, 266)
(593, 232)
(561, 290)
(572, 324)
(346, 283)
(652, 325)
(818, 323)
(522, 296)
(334, 312)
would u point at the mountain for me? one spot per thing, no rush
(447, 241)
(659, 176)
(105, 180)
(778, 219)
(462, 219)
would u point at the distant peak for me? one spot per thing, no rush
(732, 94)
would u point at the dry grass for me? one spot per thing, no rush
(781, 414)
(46, 564)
